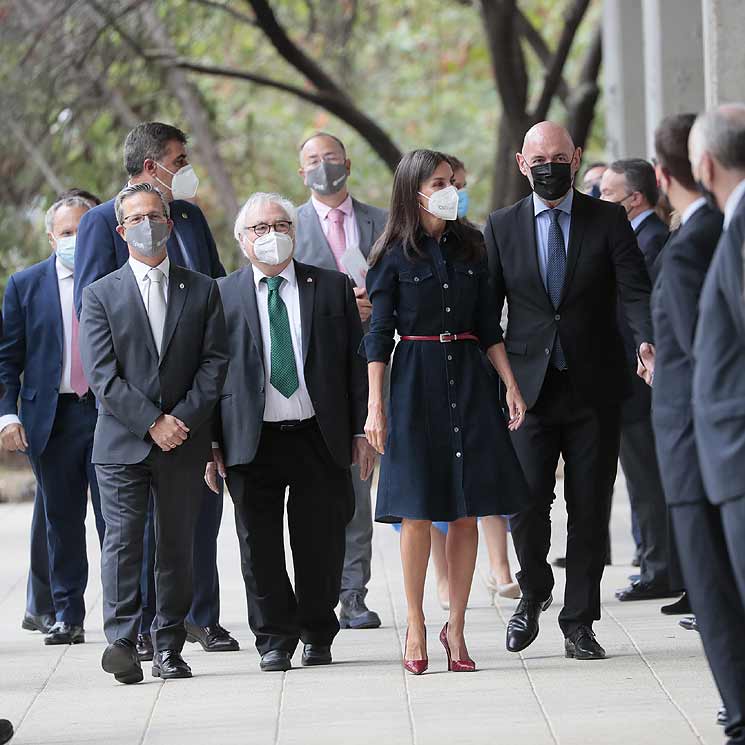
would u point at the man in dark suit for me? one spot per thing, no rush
(297, 425)
(711, 534)
(561, 259)
(155, 154)
(337, 232)
(154, 349)
(632, 183)
(40, 365)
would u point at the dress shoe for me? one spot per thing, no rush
(41, 623)
(644, 591)
(316, 654)
(689, 623)
(275, 660)
(466, 665)
(722, 717)
(582, 645)
(6, 731)
(679, 607)
(64, 633)
(145, 647)
(212, 638)
(415, 667)
(121, 660)
(560, 562)
(355, 614)
(522, 628)
(169, 664)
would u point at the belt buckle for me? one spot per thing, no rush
(446, 338)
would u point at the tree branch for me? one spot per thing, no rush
(242, 17)
(582, 104)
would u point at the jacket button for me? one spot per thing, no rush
(416, 279)
(557, 317)
(261, 390)
(445, 286)
(447, 310)
(458, 454)
(547, 351)
(470, 271)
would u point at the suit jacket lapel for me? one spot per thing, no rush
(364, 226)
(576, 232)
(306, 287)
(133, 300)
(178, 289)
(50, 289)
(250, 307)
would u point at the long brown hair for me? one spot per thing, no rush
(404, 224)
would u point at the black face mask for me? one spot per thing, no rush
(551, 181)
(708, 195)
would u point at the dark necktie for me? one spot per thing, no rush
(284, 372)
(555, 272)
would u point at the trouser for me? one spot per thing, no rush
(319, 506)
(38, 586)
(359, 533)
(638, 456)
(710, 546)
(561, 423)
(125, 493)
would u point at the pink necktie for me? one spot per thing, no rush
(336, 238)
(77, 377)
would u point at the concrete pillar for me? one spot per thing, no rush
(623, 70)
(724, 51)
(673, 61)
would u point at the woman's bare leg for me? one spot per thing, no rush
(461, 547)
(415, 546)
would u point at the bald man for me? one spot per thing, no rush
(561, 259)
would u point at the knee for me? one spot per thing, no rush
(463, 525)
(416, 526)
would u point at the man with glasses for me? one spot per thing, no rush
(155, 154)
(336, 231)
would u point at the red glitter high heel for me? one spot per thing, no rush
(415, 667)
(456, 666)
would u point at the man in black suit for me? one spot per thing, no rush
(711, 534)
(632, 183)
(561, 259)
(156, 154)
(297, 425)
(154, 350)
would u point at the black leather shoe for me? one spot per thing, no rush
(582, 645)
(275, 660)
(678, 608)
(38, 623)
(121, 660)
(64, 633)
(355, 614)
(522, 628)
(722, 717)
(643, 591)
(212, 638)
(169, 664)
(6, 731)
(316, 654)
(145, 647)
(689, 623)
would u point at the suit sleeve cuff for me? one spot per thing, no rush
(361, 436)
(8, 419)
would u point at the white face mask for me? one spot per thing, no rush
(66, 250)
(443, 203)
(273, 248)
(184, 184)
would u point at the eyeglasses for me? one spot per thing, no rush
(262, 228)
(132, 220)
(314, 160)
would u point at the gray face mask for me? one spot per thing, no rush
(326, 178)
(147, 237)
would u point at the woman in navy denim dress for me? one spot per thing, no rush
(446, 449)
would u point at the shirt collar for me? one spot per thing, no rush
(734, 199)
(640, 218)
(62, 271)
(323, 209)
(288, 273)
(140, 270)
(565, 205)
(691, 209)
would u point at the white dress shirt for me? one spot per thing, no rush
(143, 282)
(351, 229)
(298, 406)
(65, 285)
(691, 210)
(639, 219)
(734, 199)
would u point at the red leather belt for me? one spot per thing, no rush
(444, 338)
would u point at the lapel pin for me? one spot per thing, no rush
(310, 279)
(184, 215)
(181, 285)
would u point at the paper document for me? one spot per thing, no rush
(355, 264)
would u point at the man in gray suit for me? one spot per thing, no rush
(335, 231)
(154, 350)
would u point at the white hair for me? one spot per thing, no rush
(75, 201)
(721, 131)
(259, 199)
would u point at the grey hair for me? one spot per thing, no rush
(130, 190)
(260, 198)
(66, 202)
(722, 132)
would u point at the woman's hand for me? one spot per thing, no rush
(516, 407)
(376, 428)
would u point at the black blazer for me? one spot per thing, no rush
(603, 263)
(685, 261)
(335, 375)
(719, 371)
(132, 384)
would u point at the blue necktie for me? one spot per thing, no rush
(555, 272)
